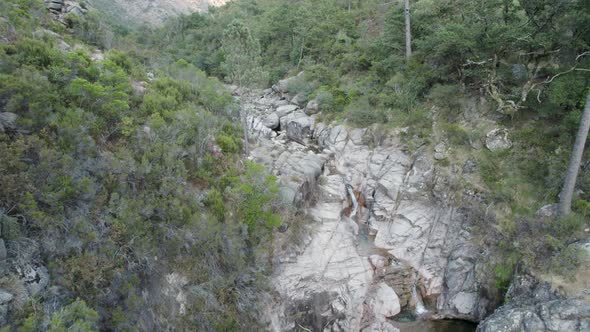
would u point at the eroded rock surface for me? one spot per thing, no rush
(534, 306)
(406, 215)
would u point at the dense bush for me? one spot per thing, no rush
(116, 176)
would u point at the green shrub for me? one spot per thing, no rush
(229, 144)
(362, 114)
(455, 134)
(214, 202)
(76, 316)
(325, 101)
(448, 96)
(36, 53)
(582, 207)
(300, 86)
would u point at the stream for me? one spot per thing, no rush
(408, 320)
(377, 240)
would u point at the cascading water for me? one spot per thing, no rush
(420, 308)
(353, 199)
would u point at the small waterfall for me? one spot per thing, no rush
(353, 199)
(420, 308)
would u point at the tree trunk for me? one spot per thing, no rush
(565, 199)
(408, 31)
(244, 119)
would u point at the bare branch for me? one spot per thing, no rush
(574, 68)
(477, 63)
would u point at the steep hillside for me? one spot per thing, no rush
(294, 165)
(150, 11)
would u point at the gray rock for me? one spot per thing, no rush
(470, 166)
(7, 121)
(439, 156)
(313, 107)
(286, 110)
(563, 315)
(383, 303)
(406, 206)
(497, 140)
(63, 46)
(2, 250)
(283, 85)
(548, 211)
(298, 100)
(381, 327)
(299, 127)
(533, 306)
(280, 102)
(55, 5)
(3, 314)
(5, 297)
(36, 278)
(440, 147)
(271, 121)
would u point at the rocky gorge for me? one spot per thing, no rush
(390, 233)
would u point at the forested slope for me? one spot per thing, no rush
(519, 67)
(115, 187)
(126, 201)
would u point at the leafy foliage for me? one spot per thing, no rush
(115, 176)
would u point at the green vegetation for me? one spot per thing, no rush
(122, 177)
(507, 53)
(119, 185)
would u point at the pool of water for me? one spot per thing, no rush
(436, 326)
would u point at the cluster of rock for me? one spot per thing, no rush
(7, 121)
(535, 306)
(356, 271)
(137, 12)
(408, 243)
(22, 274)
(61, 8)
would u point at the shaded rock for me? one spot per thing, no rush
(35, 277)
(470, 166)
(299, 127)
(298, 100)
(440, 151)
(55, 5)
(548, 211)
(569, 315)
(497, 140)
(312, 107)
(464, 296)
(532, 305)
(5, 297)
(2, 250)
(283, 85)
(7, 121)
(271, 121)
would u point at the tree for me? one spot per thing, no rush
(256, 197)
(242, 64)
(565, 200)
(76, 316)
(408, 31)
